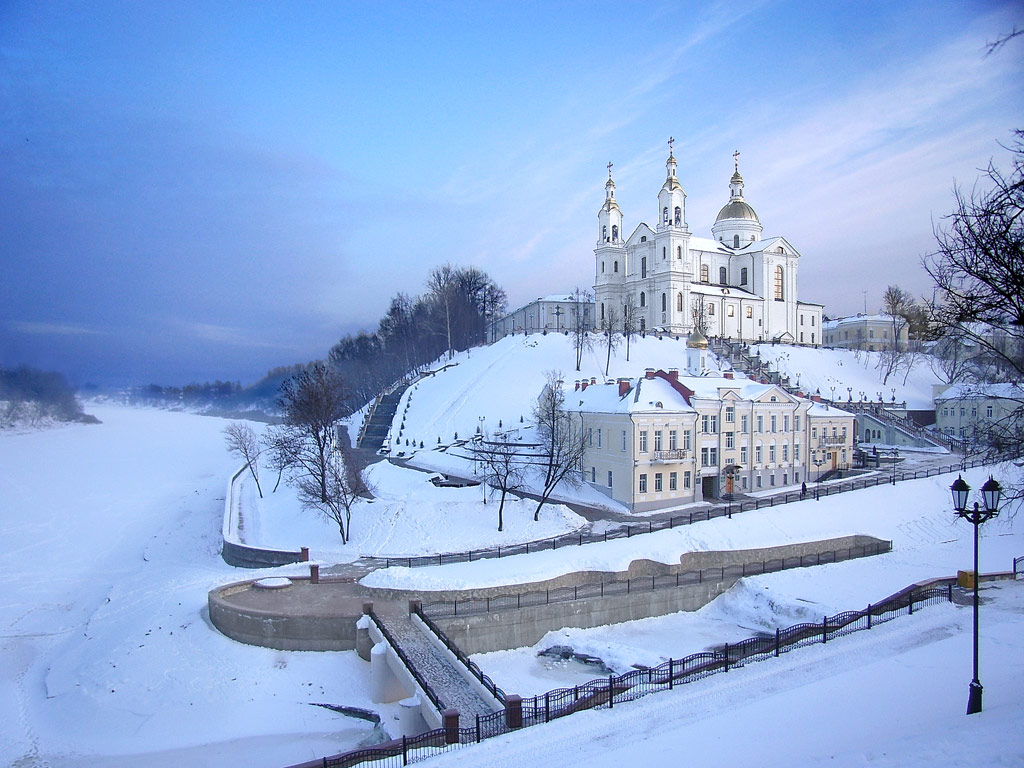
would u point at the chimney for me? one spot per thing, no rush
(577, 387)
(673, 374)
(816, 398)
(583, 385)
(649, 373)
(593, 379)
(728, 375)
(623, 387)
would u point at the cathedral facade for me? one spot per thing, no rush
(734, 285)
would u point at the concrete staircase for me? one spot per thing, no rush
(428, 662)
(378, 424)
(882, 414)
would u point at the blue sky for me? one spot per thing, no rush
(191, 191)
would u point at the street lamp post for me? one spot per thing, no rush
(990, 493)
(895, 454)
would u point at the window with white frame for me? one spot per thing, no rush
(643, 441)
(643, 483)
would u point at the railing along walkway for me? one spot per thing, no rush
(429, 665)
(669, 520)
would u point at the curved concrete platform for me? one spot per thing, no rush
(321, 615)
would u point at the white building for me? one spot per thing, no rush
(972, 411)
(551, 314)
(870, 332)
(745, 287)
(666, 439)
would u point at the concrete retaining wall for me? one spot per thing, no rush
(502, 630)
(691, 561)
(274, 630)
(240, 555)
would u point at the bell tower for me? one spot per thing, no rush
(672, 198)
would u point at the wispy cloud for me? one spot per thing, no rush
(223, 334)
(54, 329)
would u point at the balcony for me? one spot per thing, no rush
(829, 441)
(667, 456)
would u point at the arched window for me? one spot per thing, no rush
(704, 273)
(711, 310)
(663, 252)
(664, 303)
(602, 310)
(743, 276)
(778, 284)
(679, 216)
(722, 276)
(615, 233)
(679, 302)
(679, 251)
(643, 325)
(735, 241)
(643, 266)
(604, 233)
(616, 265)
(602, 266)
(643, 299)
(664, 214)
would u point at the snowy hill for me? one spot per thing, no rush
(501, 382)
(822, 369)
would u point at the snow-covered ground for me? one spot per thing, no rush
(821, 370)
(928, 540)
(110, 544)
(409, 516)
(892, 697)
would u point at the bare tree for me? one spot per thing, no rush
(313, 402)
(344, 486)
(580, 324)
(242, 442)
(561, 439)
(699, 310)
(896, 305)
(978, 270)
(611, 337)
(630, 315)
(442, 284)
(501, 465)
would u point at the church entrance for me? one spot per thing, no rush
(707, 487)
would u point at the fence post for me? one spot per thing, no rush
(778, 641)
(405, 752)
(514, 711)
(949, 591)
(547, 707)
(824, 630)
(869, 615)
(726, 657)
(451, 726)
(911, 602)
(611, 691)
(478, 729)
(671, 673)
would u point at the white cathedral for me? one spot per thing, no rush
(742, 286)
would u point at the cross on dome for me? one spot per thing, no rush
(610, 169)
(736, 160)
(671, 141)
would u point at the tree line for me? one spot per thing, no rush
(29, 395)
(451, 315)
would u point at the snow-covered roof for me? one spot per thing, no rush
(824, 409)
(852, 319)
(714, 289)
(1004, 389)
(646, 394)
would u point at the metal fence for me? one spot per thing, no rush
(606, 588)
(636, 529)
(618, 689)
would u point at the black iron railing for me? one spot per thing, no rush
(610, 587)
(619, 689)
(674, 521)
